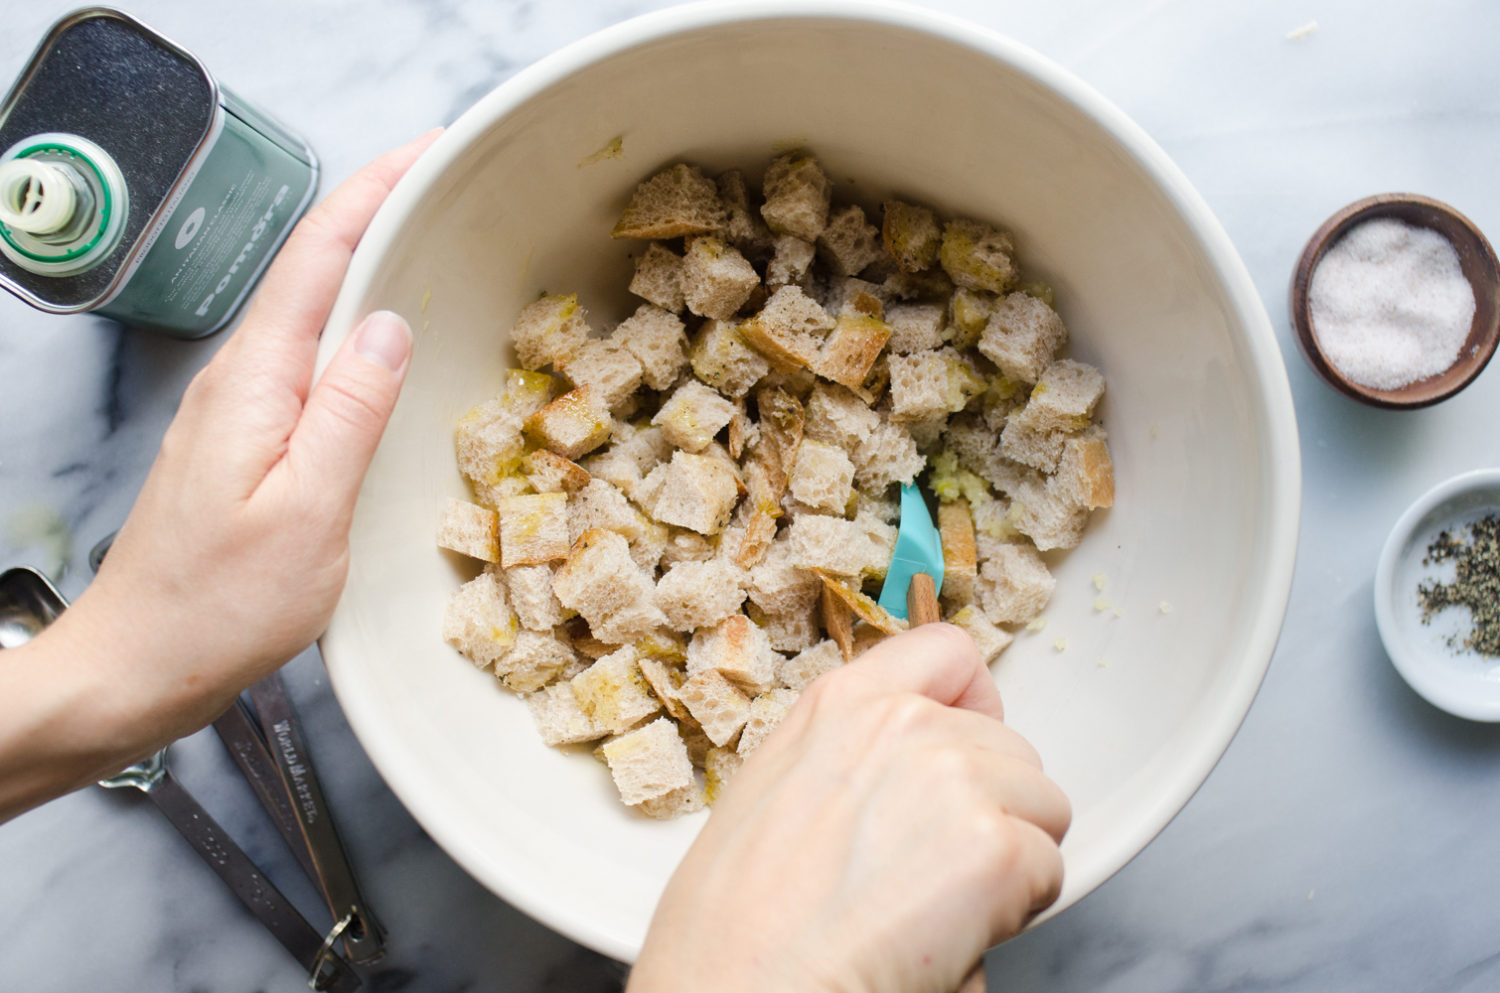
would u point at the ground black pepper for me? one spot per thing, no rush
(1476, 583)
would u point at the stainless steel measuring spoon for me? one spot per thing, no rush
(275, 761)
(28, 603)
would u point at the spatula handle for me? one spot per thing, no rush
(921, 601)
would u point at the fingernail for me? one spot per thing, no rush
(385, 339)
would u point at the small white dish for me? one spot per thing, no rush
(1464, 683)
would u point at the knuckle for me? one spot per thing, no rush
(353, 405)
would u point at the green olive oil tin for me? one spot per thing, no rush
(134, 186)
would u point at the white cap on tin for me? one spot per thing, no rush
(35, 197)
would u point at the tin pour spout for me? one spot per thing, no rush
(37, 197)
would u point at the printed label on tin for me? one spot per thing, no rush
(212, 243)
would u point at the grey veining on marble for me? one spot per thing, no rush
(1344, 842)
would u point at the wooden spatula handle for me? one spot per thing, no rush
(922, 601)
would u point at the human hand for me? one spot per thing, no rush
(236, 550)
(887, 833)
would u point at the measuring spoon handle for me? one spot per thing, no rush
(327, 970)
(364, 938)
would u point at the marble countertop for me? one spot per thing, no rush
(1344, 842)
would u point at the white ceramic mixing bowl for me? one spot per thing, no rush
(1130, 708)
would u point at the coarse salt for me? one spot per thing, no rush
(1389, 304)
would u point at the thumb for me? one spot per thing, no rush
(348, 408)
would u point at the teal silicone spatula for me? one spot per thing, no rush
(919, 551)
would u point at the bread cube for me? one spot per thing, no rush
(795, 630)
(718, 707)
(697, 492)
(1022, 335)
(849, 242)
(797, 195)
(851, 349)
(693, 415)
(533, 528)
(647, 547)
(1024, 443)
(739, 649)
(960, 566)
(533, 661)
(687, 800)
(574, 424)
(1014, 584)
(529, 590)
(1063, 399)
(665, 680)
(789, 330)
(837, 546)
(797, 672)
(657, 340)
(548, 330)
(1085, 475)
(719, 767)
(601, 581)
(911, 235)
(634, 451)
(716, 278)
(848, 295)
(469, 530)
(837, 416)
(1044, 516)
(649, 762)
(882, 537)
(658, 278)
(677, 201)
(778, 586)
(989, 639)
(614, 692)
(548, 472)
(886, 455)
(701, 594)
(559, 719)
(723, 359)
(606, 366)
(978, 256)
(478, 621)
(601, 505)
(488, 439)
(789, 263)
(766, 712)
(968, 313)
(823, 477)
(931, 385)
(743, 226)
(686, 546)
(915, 327)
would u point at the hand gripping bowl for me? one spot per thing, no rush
(1130, 716)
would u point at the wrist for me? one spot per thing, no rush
(62, 725)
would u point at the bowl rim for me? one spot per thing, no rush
(1281, 511)
(1415, 666)
(1483, 276)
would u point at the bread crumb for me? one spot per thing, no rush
(613, 149)
(1303, 32)
(1101, 604)
(1118, 611)
(1061, 644)
(1103, 662)
(1154, 432)
(1100, 581)
(1164, 607)
(1036, 624)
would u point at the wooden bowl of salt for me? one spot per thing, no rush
(1396, 301)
